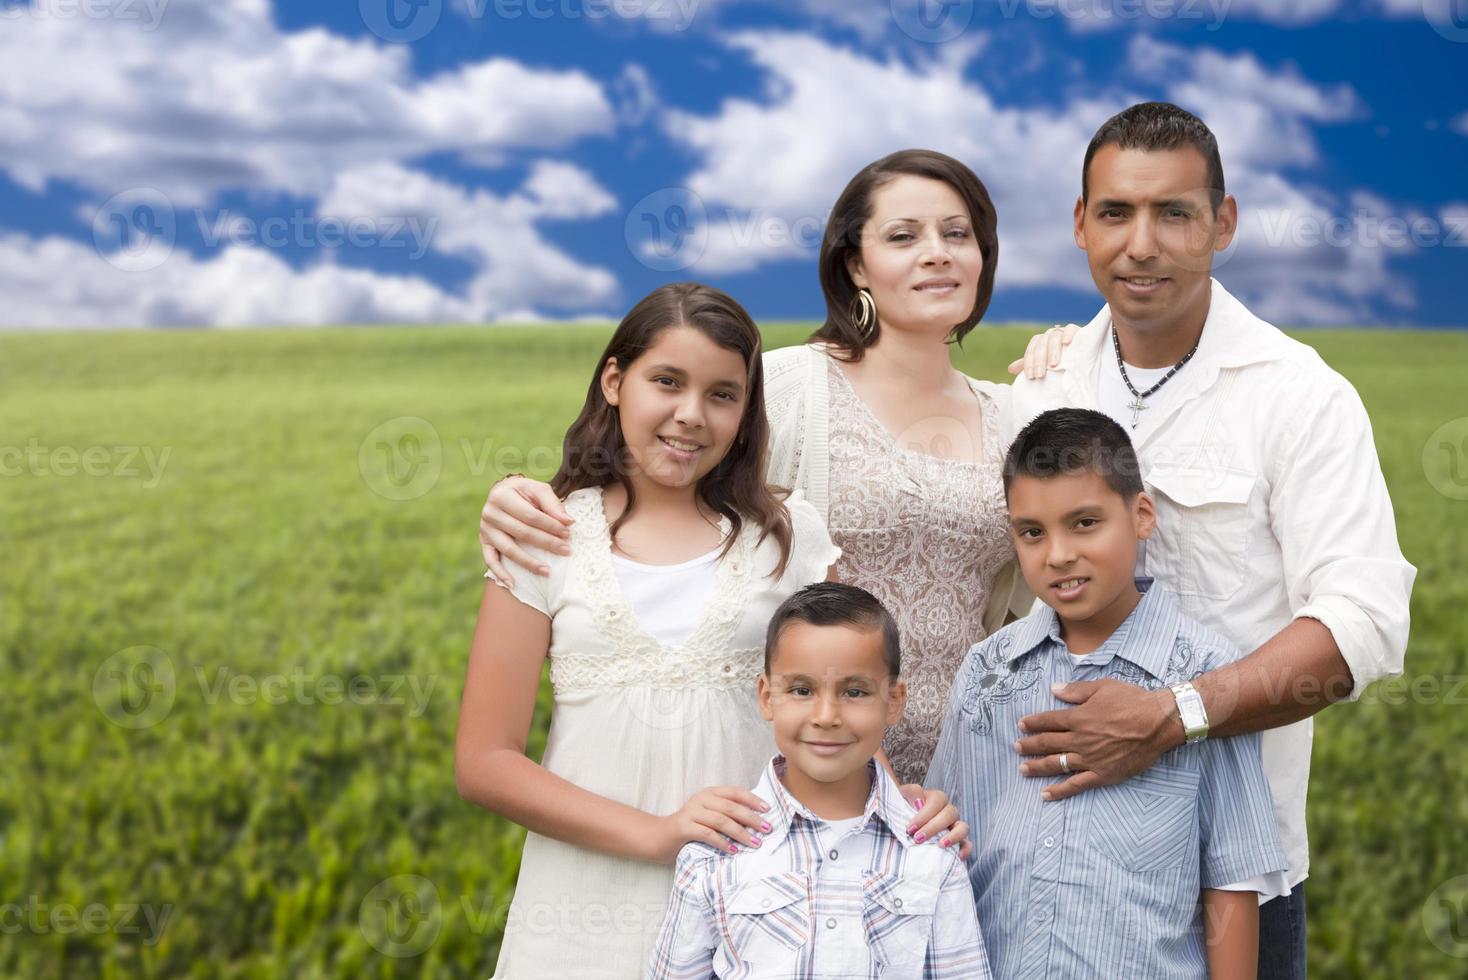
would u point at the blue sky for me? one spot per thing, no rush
(242, 162)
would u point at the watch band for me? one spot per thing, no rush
(1190, 709)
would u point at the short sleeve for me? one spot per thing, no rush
(688, 939)
(955, 946)
(1239, 836)
(812, 551)
(532, 589)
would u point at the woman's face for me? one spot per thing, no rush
(680, 405)
(919, 257)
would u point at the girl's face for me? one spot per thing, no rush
(680, 403)
(919, 257)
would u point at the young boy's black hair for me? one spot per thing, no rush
(837, 604)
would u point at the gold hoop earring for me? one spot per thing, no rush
(863, 313)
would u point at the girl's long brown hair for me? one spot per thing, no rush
(595, 453)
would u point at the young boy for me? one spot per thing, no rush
(1107, 883)
(838, 888)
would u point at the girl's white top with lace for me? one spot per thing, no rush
(643, 724)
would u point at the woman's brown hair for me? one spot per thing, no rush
(595, 454)
(854, 209)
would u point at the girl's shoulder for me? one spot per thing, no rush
(584, 503)
(803, 513)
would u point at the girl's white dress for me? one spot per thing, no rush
(642, 724)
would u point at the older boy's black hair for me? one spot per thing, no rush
(1075, 440)
(837, 604)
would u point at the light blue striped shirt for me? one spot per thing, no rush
(1107, 883)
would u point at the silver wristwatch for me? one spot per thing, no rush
(1190, 708)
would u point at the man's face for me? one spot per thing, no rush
(1149, 232)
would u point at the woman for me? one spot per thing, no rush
(897, 450)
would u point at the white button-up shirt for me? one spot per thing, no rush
(814, 902)
(1271, 507)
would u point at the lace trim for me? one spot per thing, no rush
(633, 658)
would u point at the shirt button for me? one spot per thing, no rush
(1049, 841)
(765, 904)
(897, 902)
(830, 923)
(834, 854)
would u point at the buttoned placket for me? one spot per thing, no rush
(839, 931)
(1049, 842)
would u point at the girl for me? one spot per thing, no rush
(653, 625)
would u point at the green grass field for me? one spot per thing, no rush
(231, 672)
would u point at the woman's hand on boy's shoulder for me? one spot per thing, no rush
(935, 816)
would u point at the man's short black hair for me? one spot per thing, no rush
(837, 604)
(1075, 440)
(1155, 127)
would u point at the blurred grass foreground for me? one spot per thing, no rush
(239, 583)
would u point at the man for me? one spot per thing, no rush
(1274, 525)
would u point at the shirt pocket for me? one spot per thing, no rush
(897, 917)
(1149, 822)
(769, 919)
(1202, 537)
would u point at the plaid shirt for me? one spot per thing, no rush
(871, 904)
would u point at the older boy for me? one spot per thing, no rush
(838, 888)
(1156, 877)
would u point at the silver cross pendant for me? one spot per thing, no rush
(1136, 405)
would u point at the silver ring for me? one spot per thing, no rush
(1064, 762)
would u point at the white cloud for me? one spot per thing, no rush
(211, 96)
(55, 282)
(517, 269)
(218, 97)
(832, 110)
(1261, 117)
(829, 110)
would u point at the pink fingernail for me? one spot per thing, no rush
(765, 826)
(920, 837)
(733, 848)
(754, 839)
